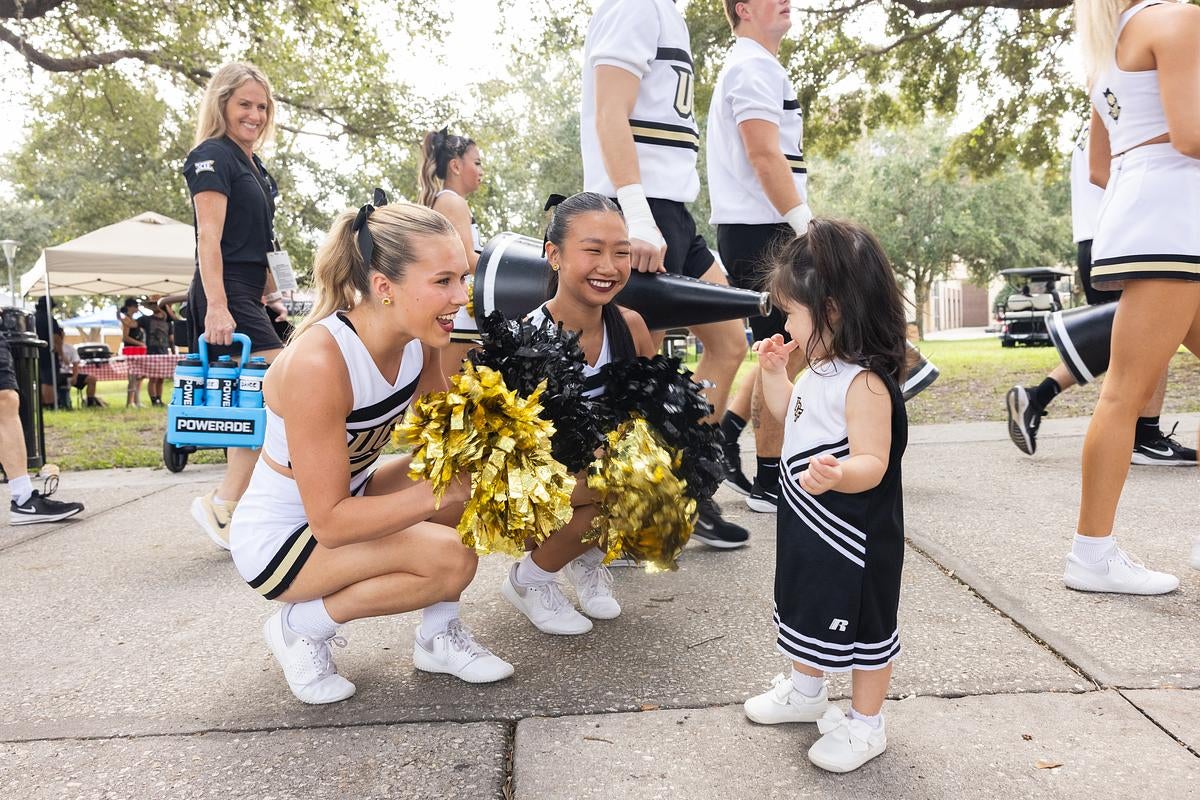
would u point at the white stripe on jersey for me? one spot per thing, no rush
(649, 39)
(751, 85)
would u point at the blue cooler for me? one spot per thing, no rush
(219, 421)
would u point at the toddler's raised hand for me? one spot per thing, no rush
(823, 473)
(773, 353)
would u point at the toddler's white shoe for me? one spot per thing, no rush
(784, 703)
(546, 606)
(846, 744)
(455, 652)
(307, 665)
(594, 585)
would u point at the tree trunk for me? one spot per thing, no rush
(921, 286)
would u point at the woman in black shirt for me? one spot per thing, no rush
(233, 197)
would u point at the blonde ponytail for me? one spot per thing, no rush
(428, 182)
(340, 276)
(1096, 25)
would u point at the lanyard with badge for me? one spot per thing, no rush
(278, 260)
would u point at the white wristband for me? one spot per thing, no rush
(798, 218)
(638, 218)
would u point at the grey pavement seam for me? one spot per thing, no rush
(66, 525)
(1157, 724)
(969, 578)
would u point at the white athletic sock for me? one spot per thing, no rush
(593, 557)
(21, 488)
(530, 574)
(436, 618)
(874, 721)
(1093, 549)
(220, 501)
(311, 620)
(807, 685)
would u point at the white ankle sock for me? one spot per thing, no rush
(220, 501)
(436, 618)
(21, 488)
(1093, 549)
(310, 620)
(593, 557)
(874, 721)
(807, 685)
(530, 574)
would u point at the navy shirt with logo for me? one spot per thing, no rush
(219, 165)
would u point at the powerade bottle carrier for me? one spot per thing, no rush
(218, 403)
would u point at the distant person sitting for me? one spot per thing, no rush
(160, 340)
(1055, 300)
(28, 505)
(72, 376)
(47, 356)
(133, 342)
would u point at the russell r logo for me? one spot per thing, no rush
(839, 624)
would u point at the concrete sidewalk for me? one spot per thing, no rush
(136, 667)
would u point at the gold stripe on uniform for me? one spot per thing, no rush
(667, 137)
(796, 162)
(286, 565)
(1145, 266)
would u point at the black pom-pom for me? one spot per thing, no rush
(527, 354)
(663, 392)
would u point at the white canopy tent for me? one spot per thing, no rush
(148, 254)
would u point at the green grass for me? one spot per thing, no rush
(975, 374)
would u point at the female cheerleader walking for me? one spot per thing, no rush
(1143, 62)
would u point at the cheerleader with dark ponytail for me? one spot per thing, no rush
(452, 170)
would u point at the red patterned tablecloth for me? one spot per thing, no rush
(121, 367)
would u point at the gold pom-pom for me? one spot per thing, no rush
(645, 514)
(518, 491)
(470, 296)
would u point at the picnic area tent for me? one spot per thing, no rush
(147, 254)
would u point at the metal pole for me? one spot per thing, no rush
(50, 331)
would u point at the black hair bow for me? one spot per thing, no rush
(366, 245)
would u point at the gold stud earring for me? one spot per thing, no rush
(554, 267)
(387, 301)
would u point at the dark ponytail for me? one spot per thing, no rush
(562, 215)
(438, 149)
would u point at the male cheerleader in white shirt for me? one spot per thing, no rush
(639, 141)
(757, 180)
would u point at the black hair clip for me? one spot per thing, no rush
(552, 201)
(366, 245)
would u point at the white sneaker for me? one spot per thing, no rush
(846, 744)
(455, 652)
(1119, 574)
(307, 665)
(1195, 559)
(784, 703)
(213, 517)
(594, 585)
(546, 606)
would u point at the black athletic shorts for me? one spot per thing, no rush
(8, 373)
(687, 252)
(243, 291)
(1083, 260)
(744, 250)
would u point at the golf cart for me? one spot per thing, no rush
(1034, 296)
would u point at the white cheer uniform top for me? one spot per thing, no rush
(751, 85)
(649, 39)
(1129, 103)
(378, 403)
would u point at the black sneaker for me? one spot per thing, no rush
(764, 501)
(1024, 419)
(716, 532)
(39, 508)
(735, 479)
(1164, 452)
